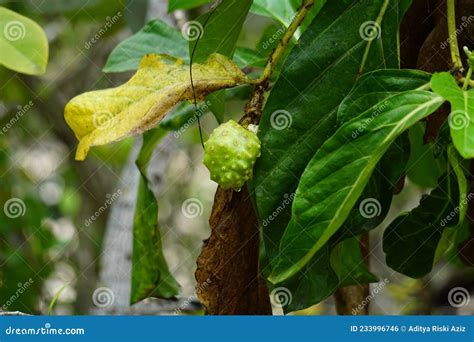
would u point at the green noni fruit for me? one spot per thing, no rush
(230, 153)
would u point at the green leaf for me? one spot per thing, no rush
(456, 163)
(348, 263)
(424, 167)
(23, 44)
(370, 89)
(285, 10)
(338, 173)
(374, 87)
(174, 5)
(155, 37)
(150, 273)
(160, 38)
(222, 29)
(461, 119)
(336, 265)
(410, 242)
(315, 78)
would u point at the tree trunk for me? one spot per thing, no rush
(228, 274)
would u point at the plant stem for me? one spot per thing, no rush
(452, 37)
(253, 109)
(279, 51)
(467, 80)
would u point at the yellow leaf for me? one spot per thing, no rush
(103, 116)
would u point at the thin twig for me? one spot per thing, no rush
(452, 37)
(253, 109)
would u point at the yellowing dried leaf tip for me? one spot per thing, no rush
(103, 116)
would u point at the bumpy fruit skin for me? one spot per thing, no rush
(230, 153)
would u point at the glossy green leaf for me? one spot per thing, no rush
(461, 119)
(410, 242)
(174, 5)
(23, 44)
(338, 173)
(424, 167)
(218, 31)
(300, 113)
(151, 276)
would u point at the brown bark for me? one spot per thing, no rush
(228, 275)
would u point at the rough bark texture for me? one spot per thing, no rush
(228, 276)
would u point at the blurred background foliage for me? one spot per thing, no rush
(50, 243)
